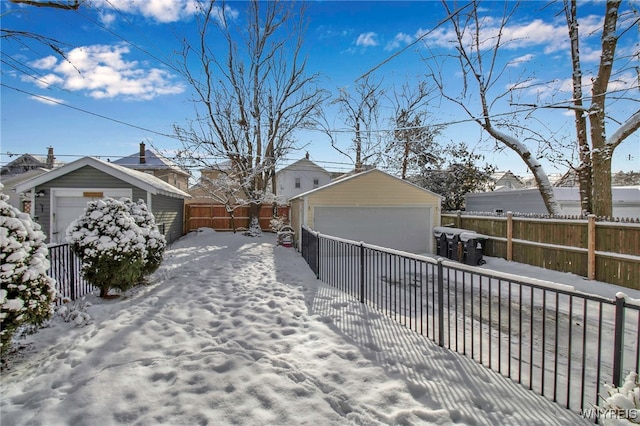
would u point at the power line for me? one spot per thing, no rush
(413, 43)
(47, 99)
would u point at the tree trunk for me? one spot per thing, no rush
(602, 194)
(600, 151)
(254, 219)
(584, 171)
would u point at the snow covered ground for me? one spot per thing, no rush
(235, 330)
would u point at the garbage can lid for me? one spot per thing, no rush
(468, 235)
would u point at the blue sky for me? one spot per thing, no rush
(118, 89)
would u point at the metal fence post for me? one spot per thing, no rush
(317, 255)
(73, 273)
(440, 303)
(361, 272)
(618, 341)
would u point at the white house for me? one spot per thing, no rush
(302, 176)
(626, 201)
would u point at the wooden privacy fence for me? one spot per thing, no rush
(604, 251)
(217, 217)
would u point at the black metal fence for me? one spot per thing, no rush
(65, 269)
(554, 340)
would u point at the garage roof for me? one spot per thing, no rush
(142, 180)
(359, 175)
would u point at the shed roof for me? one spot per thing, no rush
(142, 180)
(359, 176)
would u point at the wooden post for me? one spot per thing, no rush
(591, 243)
(509, 236)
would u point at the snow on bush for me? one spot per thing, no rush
(155, 243)
(26, 291)
(75, 312)
(622, 406)
(111, 245)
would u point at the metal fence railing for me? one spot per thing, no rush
(556, 341)
(66, 270)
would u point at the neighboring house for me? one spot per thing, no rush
(626, 201)
(59, 196)
(20, 201)
(152, 162)
(372, 206)
(27, 162)
(217, 185)
(506, 180)
(301, 176)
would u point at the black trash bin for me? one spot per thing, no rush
(453, 238)
(441, 241)
(472, 248)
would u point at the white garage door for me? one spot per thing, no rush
(69, 209)
(400, 228)
(69, 204)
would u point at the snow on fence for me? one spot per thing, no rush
(218, 217)
(558, 342)
(65, 269)
(589, 247)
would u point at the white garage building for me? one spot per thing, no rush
(373, 207)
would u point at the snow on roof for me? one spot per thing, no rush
(153, 160)
(303, 164)
(142, 180)
(356, 176)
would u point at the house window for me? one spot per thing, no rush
(316, 182)
(297, 182)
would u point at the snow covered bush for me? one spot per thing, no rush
(155, 243)
(622, 406)
(75, 312)
(111, 245)
(26, 291)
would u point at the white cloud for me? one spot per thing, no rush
(105, 73)
(47, 100)
(159, 10)
(367, 39)
(399, 40)
(516, 62)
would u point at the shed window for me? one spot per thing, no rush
(297, 182)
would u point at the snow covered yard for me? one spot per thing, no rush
(235, 330)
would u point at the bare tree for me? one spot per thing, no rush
(360, 111)
(23, 35)
(251, 96)
(65, 5)
(477, 55)
(594, 170)
(410, 147)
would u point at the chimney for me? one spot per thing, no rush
(307, 156)
(50, 158)
(142, 150)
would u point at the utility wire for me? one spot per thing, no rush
(47, 99)
(413, 43)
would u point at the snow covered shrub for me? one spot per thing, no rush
(277, 222)
(75, 312)
(110, 244)
(622, 406)
(26, 291)
(155, 243)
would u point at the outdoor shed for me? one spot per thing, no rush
(59, 197)
(373, 207)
